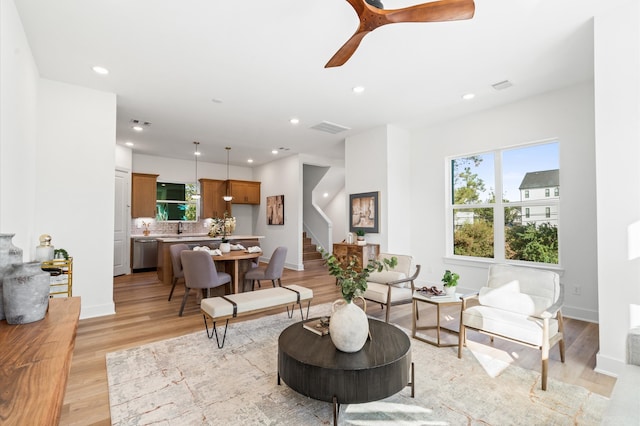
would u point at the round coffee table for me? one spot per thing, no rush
(312, 366)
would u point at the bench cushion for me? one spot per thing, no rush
(217, 307)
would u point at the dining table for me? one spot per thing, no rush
(236, 263)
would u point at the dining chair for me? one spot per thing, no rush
(200, 273)
(176, 264)
(273, 270)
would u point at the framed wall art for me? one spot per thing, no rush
(363, 212)
(275, 210)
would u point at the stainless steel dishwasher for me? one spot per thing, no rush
(145, 253)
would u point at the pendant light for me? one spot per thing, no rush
(196, 195)
(228, 197)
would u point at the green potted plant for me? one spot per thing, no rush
(349, 326)
(360, 237)
(450, 280)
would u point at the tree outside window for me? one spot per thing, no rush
(524, 177)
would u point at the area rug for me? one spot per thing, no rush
(189, 381)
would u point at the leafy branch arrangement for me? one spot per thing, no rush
(352, 282)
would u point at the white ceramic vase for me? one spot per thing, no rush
(348, 327)
(225, 247)
(450, 290)
(26, 293)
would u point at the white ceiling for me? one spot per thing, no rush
(264, 60)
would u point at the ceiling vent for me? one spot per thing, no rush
(502, 85)
(328, 127)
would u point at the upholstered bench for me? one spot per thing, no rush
(237, 305)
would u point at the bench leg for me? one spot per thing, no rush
(214, 331)
(293, 307)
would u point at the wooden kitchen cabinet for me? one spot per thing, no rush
(344, 252)
(244, 191)
(143, 195)
(211, 202)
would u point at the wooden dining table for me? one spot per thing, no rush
(236, 263)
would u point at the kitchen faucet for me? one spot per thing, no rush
(179, 228)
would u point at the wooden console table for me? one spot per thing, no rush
(35, 360)
(344, 252)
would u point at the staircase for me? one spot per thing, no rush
(310, 254)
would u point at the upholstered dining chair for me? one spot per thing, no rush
(393, 286)
(200, 273)
(273, 271)
(176, 264)
(518, 304)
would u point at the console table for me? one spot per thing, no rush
(344, 252)
(35, 361)
(311, 365)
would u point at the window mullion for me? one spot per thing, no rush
(498, 211)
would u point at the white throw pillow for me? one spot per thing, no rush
(508, 297)
(385, 276)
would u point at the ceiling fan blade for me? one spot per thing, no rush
(436, 11)
(344, 53)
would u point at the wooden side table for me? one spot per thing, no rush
(419, 297)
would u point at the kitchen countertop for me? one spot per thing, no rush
(173, 238)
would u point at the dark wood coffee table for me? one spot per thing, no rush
(312, 366)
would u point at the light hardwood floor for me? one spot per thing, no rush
(144, 315)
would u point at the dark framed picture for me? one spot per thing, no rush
(275, 210)
(363, 212)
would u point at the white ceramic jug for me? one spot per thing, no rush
(349, 326)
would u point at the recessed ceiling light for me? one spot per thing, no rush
(358, 89)
(468, 96)
(197, 153)
(325, 195)
(128, 143)
(100, 70)
(275, 151)
(294, 120)
(137, 128)
(250, 160)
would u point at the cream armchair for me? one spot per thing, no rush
(518, 304)
(394, 286)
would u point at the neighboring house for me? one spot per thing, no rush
(542, 185)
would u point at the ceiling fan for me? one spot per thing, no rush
(373, 16)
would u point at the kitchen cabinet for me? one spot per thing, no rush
(211, 202)
(143, 195)
(344, 252)
(244, 191)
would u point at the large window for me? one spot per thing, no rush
(174, 201)
(519, 225)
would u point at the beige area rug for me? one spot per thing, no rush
(189, 381)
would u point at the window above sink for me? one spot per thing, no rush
(174, 202)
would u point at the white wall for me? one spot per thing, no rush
(617, 71)
(75, 163)
(18, 104)
(57, 158)
(366, 171)
(282, 177)
(564, 114)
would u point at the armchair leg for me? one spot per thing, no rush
(386, 315)
(545, 368)
(561, 330)
(462, 337)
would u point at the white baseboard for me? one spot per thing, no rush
(609, 366)
(97, 311)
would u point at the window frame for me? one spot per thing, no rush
(498, 211)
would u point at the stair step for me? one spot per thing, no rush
(311, 256)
